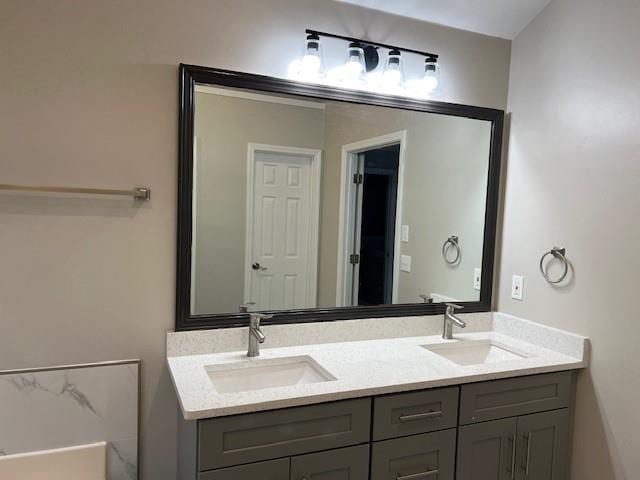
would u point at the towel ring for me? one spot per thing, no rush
(561, 255)
(451, 242)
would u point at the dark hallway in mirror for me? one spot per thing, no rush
(377, 229)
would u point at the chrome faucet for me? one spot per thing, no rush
(450, 319)
(256, 337)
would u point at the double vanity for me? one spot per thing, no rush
(326, 239)
(402, 403)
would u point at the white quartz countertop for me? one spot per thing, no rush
(373, 367)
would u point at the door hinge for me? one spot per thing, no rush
(358, 178)
(354, 259)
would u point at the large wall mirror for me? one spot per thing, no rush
(315, 203)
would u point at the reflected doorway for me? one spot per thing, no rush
(369, 238)
(375, 220)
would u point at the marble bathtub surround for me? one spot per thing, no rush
(394, 360)
(59, 407)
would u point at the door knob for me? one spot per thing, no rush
(257, 266)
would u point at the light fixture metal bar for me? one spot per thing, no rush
(369, 42)
(139, 193)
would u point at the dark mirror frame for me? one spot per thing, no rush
(190, 75)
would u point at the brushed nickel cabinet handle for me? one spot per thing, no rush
(419, 416)
(527, 449)
(512, 469)
(417, 476)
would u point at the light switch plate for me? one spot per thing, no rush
(405, 233)
(477, 278)
(405, 263)
(517, 285)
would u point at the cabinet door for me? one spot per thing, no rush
(343, 464)
(543, 448)
(486, 451)
(430, 456)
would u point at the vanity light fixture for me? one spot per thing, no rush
(431, 78)
(354, 68)
(393, 75)
(361, 71)
(311, 65)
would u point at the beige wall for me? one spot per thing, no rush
(224, 126)
(89, 98)
(446, 165)
(574, 181)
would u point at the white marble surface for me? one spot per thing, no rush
(394, 363)
(50, 409)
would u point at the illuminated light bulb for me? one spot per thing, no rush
(393, 74)
(311, 66)
(431, 78)
(354, 66)
(392, 78)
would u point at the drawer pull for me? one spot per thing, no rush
(419, 416)
(527, 449)
(416, 476)
(512, 471)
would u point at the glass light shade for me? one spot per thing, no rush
(393, 74)
(354, 66)
(431, 78)
(311, 65)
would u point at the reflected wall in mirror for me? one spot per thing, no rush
(300, 203)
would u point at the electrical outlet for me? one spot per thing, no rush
(477, 278)
(405, 233)
(517, 285)
(405, 263)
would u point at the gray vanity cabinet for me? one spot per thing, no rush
(271, 470)
(486, 451)
(531, 447)
(344, 464)
(480, 402)
(426, 456)
(255, 437)
(543, 446)
(511, 429)
(403, 414)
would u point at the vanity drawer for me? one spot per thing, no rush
(280, 433)
(404, 414)
(427, 456)
(480, 402)
(273, 470)
(351, 463)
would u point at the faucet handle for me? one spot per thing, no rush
(454, 306)
(425, 298)
(256, 318)
(244, 307)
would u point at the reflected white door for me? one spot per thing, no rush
(283, 250)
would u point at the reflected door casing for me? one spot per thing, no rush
(280, 240)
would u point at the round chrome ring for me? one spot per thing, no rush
(560, 254)
(451, 242)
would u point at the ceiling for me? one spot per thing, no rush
(498, 18)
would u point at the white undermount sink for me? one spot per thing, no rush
(475, 352)
(268, 373)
